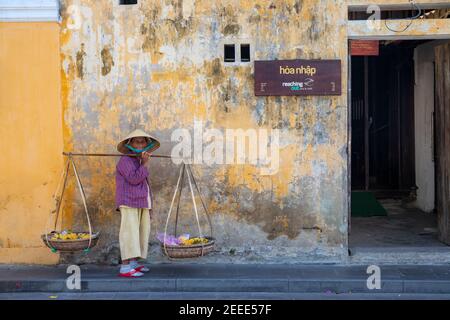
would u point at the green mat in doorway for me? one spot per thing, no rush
(364, 204)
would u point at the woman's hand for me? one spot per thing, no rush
(145, 157)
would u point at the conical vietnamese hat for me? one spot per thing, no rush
(137, 133)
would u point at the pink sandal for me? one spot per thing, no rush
(134, 273)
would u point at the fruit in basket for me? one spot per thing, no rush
(200, 240)
(69, 235)
(183, 240)
(192, 241)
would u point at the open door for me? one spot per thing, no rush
(442, 109)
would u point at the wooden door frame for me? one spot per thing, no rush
(445, 36)
(442, 143)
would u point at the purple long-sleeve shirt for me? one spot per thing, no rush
(132, 186)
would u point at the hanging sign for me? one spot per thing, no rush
(298, 78)
(365, 47)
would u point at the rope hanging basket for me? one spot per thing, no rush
(70, 245)
(203, 244)
(191, 251)
(70, 241)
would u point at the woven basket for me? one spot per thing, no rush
(70, 245)
(193, 251)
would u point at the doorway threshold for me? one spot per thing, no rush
(400, 255)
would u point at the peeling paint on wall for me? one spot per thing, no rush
(80, 62)
(107, 60)
(159, 65)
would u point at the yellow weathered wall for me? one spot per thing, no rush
(31, 138)
(158, 65)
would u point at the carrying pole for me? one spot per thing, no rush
(114, 155)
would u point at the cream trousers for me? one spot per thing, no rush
(134, 232)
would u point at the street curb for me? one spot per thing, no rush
(230, 285)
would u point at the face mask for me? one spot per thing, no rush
(140, 150)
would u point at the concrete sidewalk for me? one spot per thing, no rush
(178, 281)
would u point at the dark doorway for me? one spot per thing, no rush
(383, 146)
(383, 120)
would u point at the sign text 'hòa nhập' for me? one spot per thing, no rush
(298, 78)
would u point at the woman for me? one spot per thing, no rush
(134, 200)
